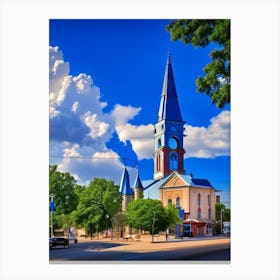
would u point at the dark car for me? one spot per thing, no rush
(58, 241)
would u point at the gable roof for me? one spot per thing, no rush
(176, 179)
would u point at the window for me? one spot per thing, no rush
(158, 163)
(199, 200)
(169, 201)
(173, 143)
(159, 143)
(178, 202)
(173, 161)
(199, 213)
(209, 213)
(209, 200)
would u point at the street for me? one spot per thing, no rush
(204, 249)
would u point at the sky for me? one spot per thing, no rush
(105, 82)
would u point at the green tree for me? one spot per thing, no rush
(146, 214)
(221, 209)
(62, 186)
(98, 205)
(172, 215)
(216, 82)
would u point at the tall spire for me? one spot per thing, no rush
(125, 184)
(169, 108)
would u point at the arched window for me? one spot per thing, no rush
(159, 143)
(157, 163)
(173, 161)
(169, 201)
(173, 143)
(178, 202)
(199, 200)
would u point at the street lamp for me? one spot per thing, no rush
(52, 209)
(153, 225)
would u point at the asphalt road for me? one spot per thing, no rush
(199, 250)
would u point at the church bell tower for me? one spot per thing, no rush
(169, 130)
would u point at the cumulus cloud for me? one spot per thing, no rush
(76, 111)
(59, 79)
(141, 138)
(211, 141)
(97, 128)
(122, 114)
(85, 169)
(79, 126)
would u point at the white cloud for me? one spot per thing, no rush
(122, 114)
(141, 138)
(97, 128)
(75, 107)
(211, 141)
(85, 169)
(59, 79)
(79, 127)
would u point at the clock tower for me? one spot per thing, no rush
(169, 130)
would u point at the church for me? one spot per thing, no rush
(194, 197)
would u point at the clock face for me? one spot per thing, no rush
(173, 143)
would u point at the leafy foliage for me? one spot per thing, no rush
(145, 213)
(216, 82)
(99, 203)
(62, 186)
(172, 215)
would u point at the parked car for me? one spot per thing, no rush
(58, 241)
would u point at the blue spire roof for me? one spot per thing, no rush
(138, 183)
(169, 108)
(125, 184)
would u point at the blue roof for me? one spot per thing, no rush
(169, 108)
(138, 183)
(201, 182)
(125, 184)
(151, 187)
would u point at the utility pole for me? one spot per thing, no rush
(222, 212)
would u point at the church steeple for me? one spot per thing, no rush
(168, 132)
(126, 190)
(169, 108)
(138, 187)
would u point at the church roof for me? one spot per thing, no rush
(138, 183)
(201, 182)
(151, 188)
(125, 184)
(169, 108)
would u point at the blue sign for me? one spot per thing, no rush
(52, 206)
(181, 212)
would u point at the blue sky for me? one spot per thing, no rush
(106, 79)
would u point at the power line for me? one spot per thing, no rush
(89, 157)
